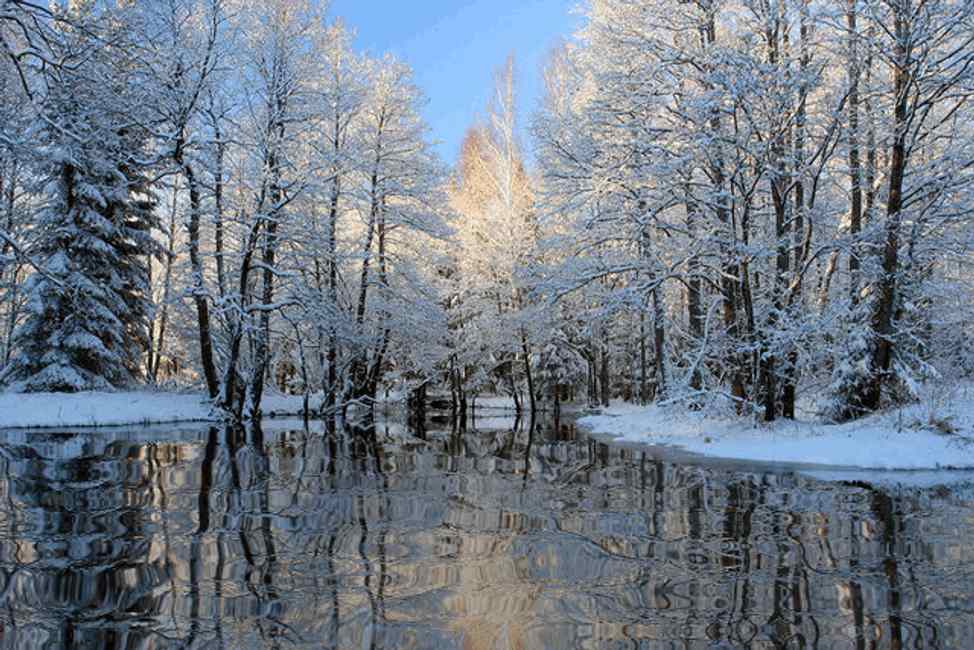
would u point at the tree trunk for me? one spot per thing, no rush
(228, 390)
(643, 360)
(882, 316)
(360, 367)
(800, 249)
(166, 289)
(694, 286)
(855, 167)
(271, 217)
(262, 348)
(870, 138)
(780, 188)
(527, 372)
(8, 194)
(379, 355)
(731, 272)
(218, 204)
(331, 385)
(659, 343)
(199, 291)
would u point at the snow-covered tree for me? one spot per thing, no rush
(89, 302)
(497, 236)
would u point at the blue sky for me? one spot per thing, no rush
(454, 47)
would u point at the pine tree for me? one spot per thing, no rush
(89, 307)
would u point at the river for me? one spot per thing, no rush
(488, 536)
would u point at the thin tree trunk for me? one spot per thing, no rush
(378, 357)
(271, 218)
(8, 192)
(228, 390)
(262, 348)
(826, 284)
(694, 286)
(870, 137)
(331, 386)
(360, 369)
(199, 291)
(166, 287)
(659, 343)
(731, 275)
(271, 222)
(218, 204)
(527, 372)
(643, 360)
(855, 167)
(780, 188)
(800, 249)
(882, 317)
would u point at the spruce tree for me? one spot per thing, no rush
(88, 314)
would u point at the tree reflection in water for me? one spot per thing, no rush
(503, 534)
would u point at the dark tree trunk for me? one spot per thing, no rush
(527, 372)
(659, 343)
(382, 347)
(694, 286)
(218, 201)
(855, 166)
(643, 360)
(271, 218)
(331, 385)
(883, 312)
(199, 291)
(360, 365)
(229, 391)
(730, 280)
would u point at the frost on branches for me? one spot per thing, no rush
(87, 315)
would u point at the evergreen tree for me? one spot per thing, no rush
(88, 313)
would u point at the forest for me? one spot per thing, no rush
(760, 207)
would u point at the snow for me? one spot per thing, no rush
(93, 409)
(495, 402)
(957, 481)
(904, 439)
(506, 403)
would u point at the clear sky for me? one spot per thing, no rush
(454, 47)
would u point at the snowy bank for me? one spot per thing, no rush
(959, 483)
(911, 438)
(102, 409)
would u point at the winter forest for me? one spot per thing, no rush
(753, 207)
(664, 339)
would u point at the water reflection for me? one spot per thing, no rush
(499, 535)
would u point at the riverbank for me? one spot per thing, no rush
(932, 434)
(104, 409)
(108, 409)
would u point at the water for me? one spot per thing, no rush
(165, 538)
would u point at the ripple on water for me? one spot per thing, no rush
(465, 539)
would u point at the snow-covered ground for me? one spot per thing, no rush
(47, 410)
(104, 409)
(495, 402)
(506, 403)
(960, 482)
(930, 435)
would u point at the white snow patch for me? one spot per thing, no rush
(88, 409)
(495, 402)
(911, 438)
(100, 409)
(915, 480)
